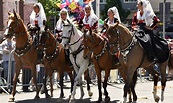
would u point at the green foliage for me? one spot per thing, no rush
(50, 6)
(110, 3)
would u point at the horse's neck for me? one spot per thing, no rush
(52, 45)
(125, 36)
(74, 39)
(99, 44)
(22, 37)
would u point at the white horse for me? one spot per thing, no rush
(72, 39)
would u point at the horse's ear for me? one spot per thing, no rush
(106, 25)
(85, 31)
(9, 13)
(90, 30)
(15, 15)
(116, 24)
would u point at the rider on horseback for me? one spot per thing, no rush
(59, 27)
(37, 25)
(113, 17)
(144, 22)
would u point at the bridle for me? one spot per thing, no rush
(91, 50)
(71, 33)
(125, 50)
(14, 28)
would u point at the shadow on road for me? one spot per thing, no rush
(59, 100)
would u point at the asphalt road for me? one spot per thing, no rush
(143, 89)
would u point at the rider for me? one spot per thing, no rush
(90, 20)
(146, 21)
(37, 25)
(59, 26)
(113, 17)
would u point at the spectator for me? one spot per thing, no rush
(8, 45)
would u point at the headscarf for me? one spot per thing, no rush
(148, 12)
(116, 13)
(59, 22)
(92, 18)
(41, 15)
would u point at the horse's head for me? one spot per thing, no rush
(112, 34)
(43, 41)
(88, 42)
(13, 24)
(68, 31)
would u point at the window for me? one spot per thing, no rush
(130, 1)
(102, 1)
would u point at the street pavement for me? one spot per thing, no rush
(143, 89)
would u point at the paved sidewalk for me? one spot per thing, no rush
(144, 92)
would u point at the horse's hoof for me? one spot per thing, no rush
(90, 94)
(157, 98)
(51, 95)
(82, 95)
(36, 97)
(71, 101)
(107, 99)
(11, 99)
(48, 96)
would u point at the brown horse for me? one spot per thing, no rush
(55, 59)
(132, 56)
(103, 58)
(25, 54)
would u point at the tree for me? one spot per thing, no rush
(51, 9)
(110, 3)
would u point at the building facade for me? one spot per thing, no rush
(22, 7)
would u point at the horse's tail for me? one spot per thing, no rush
(170, 60)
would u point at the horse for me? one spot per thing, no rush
(54, 59)
(98, 48)
(24, 54)
(72, 39)
(170, 63)
(132, 56)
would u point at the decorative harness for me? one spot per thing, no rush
(105, 47)
(53, 55)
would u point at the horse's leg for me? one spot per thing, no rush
(163, 80)
(130, 74)
(98, 72)
(78, 78)
(51, 85)
(81, 88)
(87, 78)
(107, 72)
(71, 80)
(71, 98)
(35, 81)
(61, 74)
(155, 75)
(132, 86)
(17, 72)
(44, 82)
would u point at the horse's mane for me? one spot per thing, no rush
(123, 28)
(75, 28)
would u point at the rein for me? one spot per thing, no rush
(21, 51)
(127, 49)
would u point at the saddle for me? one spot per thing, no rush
(151, 42)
